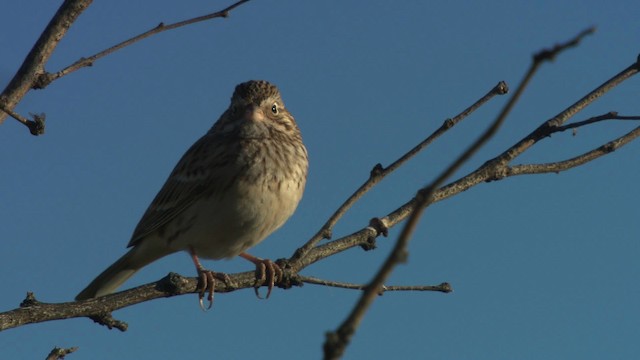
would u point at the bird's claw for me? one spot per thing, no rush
(267, 272)
(207, 284)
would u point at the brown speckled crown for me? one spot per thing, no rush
(254, 91)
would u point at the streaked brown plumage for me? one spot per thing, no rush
(236, 185)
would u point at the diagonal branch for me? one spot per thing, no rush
(33, 64)
(379, 172)
(46, 78)
(546, 128)
(443, 287)
(32, 311)
(60, 353)
(336, 342)
(556, 167)
(612, 115)
(492, 170)
(32, 74)
(35, 126)
(550, 54)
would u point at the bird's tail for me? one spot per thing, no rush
(119, 272)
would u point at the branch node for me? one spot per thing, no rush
(609, 147)
(289, 278)
(160, 26)
(293, 280)
(496, 170)
(327, 233)
(369, 244)
(380, 226)
(502, 88)
(550, 54)
(36, 126)
(377, 170)
(60, 353)
(448, 123)
(29, 301)
(42, 80)
(106, 319)
(445, 287)
(173, 284)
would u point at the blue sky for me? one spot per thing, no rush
(543, 267)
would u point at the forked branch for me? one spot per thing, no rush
(337, 341)
(32, 74)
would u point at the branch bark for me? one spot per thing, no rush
(32, 73)
(33, 66)
(379, 172)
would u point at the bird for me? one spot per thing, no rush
(233, 187)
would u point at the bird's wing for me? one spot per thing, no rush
(191, 177)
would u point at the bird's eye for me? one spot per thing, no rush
(274, 108)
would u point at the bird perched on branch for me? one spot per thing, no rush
(236, 185)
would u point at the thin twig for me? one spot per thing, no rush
(556, 167)
(379, 172)
(612, 115)
(545, 129)
(36, 126)
(443, 287)
(60, 353)
(89, 61)
(32, 75)
(550, 54)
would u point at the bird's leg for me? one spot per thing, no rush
(266, 272)
(206, 280)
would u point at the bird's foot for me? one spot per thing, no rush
(207, 281)
(267, 272)
(207, 284)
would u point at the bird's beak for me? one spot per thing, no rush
(253, 113)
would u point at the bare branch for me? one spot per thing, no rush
(60, 353)
(336, 342)
(550, 54)
(612, 115)
(32, 74)
(443, 287)
(494, 169)
(379, 172)
(89, 61)
(546, 128)
(556, 167)
(36, 126)
(99, 309)
(33, 64)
